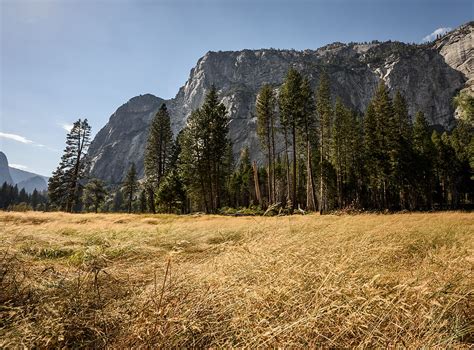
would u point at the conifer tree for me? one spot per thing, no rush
(266, 117)
(424, 151)
(355, 157)
(157, 152)
(34, 199)
(94, 194)
(401, 155)
(337, 144)
(290, 114)
(307, 126)
(130, 186)
(63, 186)
(245, 171)
(204, 158)
(372, 152)
(171, 194)
(384, 115)
(324, 113)
(143, 201)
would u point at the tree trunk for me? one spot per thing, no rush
(287, 160)
(151, 200)
(294, 168)
(310, 193)
(257, 185)
(321, 175)
(272, 160)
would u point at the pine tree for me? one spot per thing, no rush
(35, 199)
(384, 114)
(290, 114)
(63, 186)
(130, 186)
(356, 158)
(23, 196)
(306, 128)
(372, 152)
(172, 194)
(424, 161)
(324, 114)
(266, 118)
(94, 194)
(143, 201)
(157, 153)
(401, 155)
(205, 148)
(462, 141)
(247, 183)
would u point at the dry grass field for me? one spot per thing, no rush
(112, 280)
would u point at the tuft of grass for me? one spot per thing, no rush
(207, 281)
(225, 237)
(47, 252)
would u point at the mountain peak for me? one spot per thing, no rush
(355, 69)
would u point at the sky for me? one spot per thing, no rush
(61, 60)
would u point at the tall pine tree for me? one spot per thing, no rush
(290, 114)
(157, 153)
(324, 115)
(63, 186)
(130, 187)
(266, 118)
(204, 160)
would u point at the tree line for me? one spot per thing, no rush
(319, 155)
(11, 198)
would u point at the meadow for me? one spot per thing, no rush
(117, 280)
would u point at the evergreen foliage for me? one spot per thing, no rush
(130, 187)
(94, 195)
(11, 198)
(204, 159)
(157, 153)
(340, 159)
(64, 185)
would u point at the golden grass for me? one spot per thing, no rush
(112, 280)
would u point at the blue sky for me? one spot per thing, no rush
(62, 60)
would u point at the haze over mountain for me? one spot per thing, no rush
(23, 179)
(429, 75)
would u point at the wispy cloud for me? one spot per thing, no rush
(24, 140)
(439, 31)
(65, 126)
(15, 137)
(18, 166)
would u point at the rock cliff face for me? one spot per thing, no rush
(122, 140)
(4, 170)
(428, 75)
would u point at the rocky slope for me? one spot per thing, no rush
(122, 140)
(428, 75)
(5, 175)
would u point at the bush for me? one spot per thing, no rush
(20, 207)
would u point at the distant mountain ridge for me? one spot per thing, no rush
(23, 179)
(429, 75)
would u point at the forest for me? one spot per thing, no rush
(318, 155)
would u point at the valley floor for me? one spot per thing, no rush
(116, 280)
